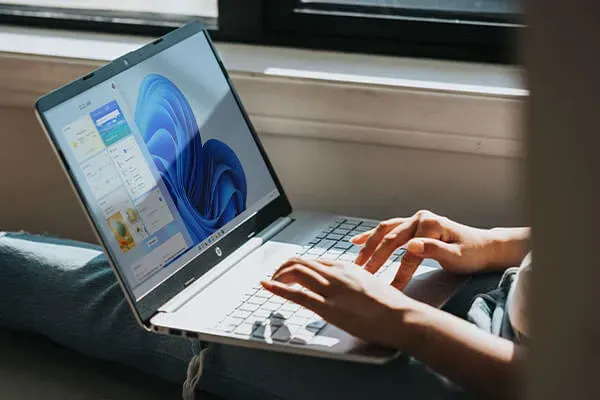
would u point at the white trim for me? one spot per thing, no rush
(427, 104)
(323, 65)
(398, 82)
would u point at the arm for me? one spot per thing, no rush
(349, 297)
(508, 247)
(487, 365)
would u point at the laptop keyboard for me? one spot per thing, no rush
(260, 315)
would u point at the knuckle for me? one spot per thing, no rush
(295, 260)
(390, 239)
(421, 212)
(382, 226)
(430, 222)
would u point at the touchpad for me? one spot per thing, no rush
(433, 285)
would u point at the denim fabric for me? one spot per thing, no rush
(65, 290)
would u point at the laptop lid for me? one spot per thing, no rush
(165, 162)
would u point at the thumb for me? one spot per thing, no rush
(433, 248)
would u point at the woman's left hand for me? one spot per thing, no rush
(347, 296)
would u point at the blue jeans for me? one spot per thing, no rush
(65, 290)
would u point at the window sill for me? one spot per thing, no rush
(427, 104)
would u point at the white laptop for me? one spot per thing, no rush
(189, 209)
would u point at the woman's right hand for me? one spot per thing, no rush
(458, 248)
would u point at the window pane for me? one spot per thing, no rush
(445, 6)
(204, 8)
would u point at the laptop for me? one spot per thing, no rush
(188, 208)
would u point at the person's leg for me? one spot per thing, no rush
(291, 377)
(461, 302)
(65, 290)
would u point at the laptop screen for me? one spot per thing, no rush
(164, 160)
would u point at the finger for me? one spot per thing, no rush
(320, 267)
(304, 276)
(390, 242)
(407, 268)
(287, 263)
(373, 241)
(307, 299)
(426, 228)
(436, 249)
(361, 238)
(328, 263)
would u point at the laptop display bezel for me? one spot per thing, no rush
(147, 306)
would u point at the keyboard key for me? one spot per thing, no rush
(291, 307)
(260, 331)
(241, 314)
(316, 326)
(249, 307)
(353, 249)
(260, 314)
(341, 231)
(400, 252)
(270, 306)
(285, 314)
(302, 336)
(301, 319)
(277, 300)
(305, 312)
(316, 252)
(334, 236)
(347, 257)
(275, 320)
(282, 334)
(227, 328)
(264, 294)
(256, 300)
(245, 329)
(347, 226)
(325, 244)
(331, 256)
(343, 245)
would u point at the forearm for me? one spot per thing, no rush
(478, 361)
(508, 246)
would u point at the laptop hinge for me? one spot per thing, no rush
(218, 270)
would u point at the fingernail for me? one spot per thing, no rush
(359, 259)
(416, 247)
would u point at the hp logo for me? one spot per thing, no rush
(218, 251)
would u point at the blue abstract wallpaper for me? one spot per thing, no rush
(206, 180)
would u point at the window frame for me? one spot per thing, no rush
(280, 23)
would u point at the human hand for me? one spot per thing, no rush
(458, 248)
(347, 296)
